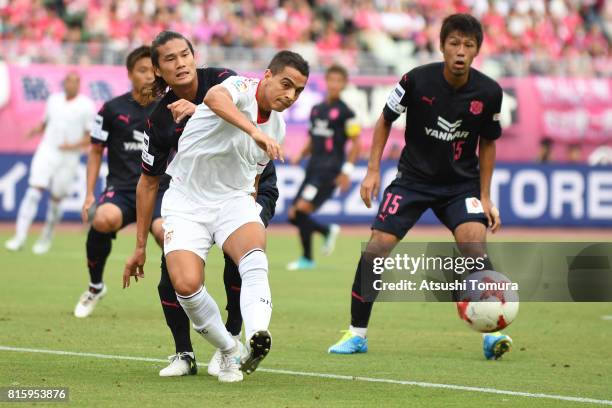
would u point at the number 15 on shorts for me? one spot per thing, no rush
(390, 205)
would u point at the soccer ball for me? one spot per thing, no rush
(489, 302)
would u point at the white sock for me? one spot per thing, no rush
(27, 212)
(205, 317)
(97, 286)
(359, 331)
(54, 214)
(255, 297)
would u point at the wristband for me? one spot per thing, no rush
(347, 168)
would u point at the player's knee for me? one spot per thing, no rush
(303, 206)
(291, 214)
(381, 243)
(106, 221)
(470, 232)
(158, 232)
(186, 286)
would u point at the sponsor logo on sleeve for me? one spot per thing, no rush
(394, 99)
(147, 158)
(96, 131)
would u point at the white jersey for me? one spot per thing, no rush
(66, 121)
(215, 160)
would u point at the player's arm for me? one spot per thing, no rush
(352, 131)
(81, 144)
(225, 105)
(100, 131)
(146, 196)
(36, 130)
(94, 161)
(155, 155)
(397, 103)
(490, 132)
(371, 183)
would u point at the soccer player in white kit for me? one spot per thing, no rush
(224, 147)
(66, 125)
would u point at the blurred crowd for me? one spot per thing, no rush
(521, 36)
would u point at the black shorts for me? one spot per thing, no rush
(126, 201)
(317, 188)
(403, 203)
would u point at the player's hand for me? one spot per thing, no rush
(492, 213)
(272, 148)
(181, 109)
(343, 182)
(370, 187)
(65, 146)
(134, 266)
(88, 204)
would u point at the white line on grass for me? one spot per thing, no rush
(606, 317)
(333, 376)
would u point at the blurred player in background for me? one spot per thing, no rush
(332, 124)
(66, 124)
(118, 127)
(223, 150)
(451, 111)
(173, 54)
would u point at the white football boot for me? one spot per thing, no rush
(88, 301)
(330, 240)
(229, 369)
(215, 362)
(180, 364)
(14, 244)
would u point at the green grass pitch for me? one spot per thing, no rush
(560, 348)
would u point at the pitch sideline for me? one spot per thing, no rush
(332, 376)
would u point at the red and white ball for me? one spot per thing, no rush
(489, 303)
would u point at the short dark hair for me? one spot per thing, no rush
(464, 23)
(136, 55)
(337, 69)
(159, 87)
(286, 58)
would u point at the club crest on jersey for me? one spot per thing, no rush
(334, 113)
(476, 107)
(240, 85)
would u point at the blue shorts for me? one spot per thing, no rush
(126, 201)
(403, 202)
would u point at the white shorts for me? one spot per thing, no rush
(54, 171)
(194, 227)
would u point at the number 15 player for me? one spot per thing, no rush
(451, 110)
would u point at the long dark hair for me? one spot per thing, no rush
(160, 85)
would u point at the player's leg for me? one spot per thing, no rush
(186, 245)
(246, 245)
(363, 294)
(41, 170)
(311, 195)
(463, 214)
(61, 184)
(233, 323)
(183, 362)
(399, 210)
(108, 219)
